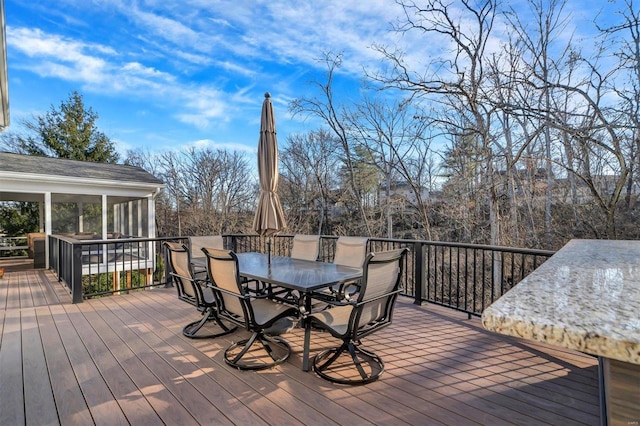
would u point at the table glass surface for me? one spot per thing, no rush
(296, 274)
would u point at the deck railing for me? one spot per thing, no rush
(13, 247)
(465, 277)
(93, 268)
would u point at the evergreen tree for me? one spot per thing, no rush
(69, 131)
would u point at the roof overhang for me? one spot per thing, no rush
(32, 186)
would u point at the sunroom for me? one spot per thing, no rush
(78, 201)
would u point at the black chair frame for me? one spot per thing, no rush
(207, 308)
(351, 340)
(247, 320)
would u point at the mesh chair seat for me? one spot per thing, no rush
(336, 319)
(352, 321)
(264, 310)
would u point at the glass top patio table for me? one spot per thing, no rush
(304, 276)
(295, 274)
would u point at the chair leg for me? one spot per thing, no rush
(190, 330)
(266, 342)
(325, 359)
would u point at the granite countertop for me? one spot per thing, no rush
(585, 297)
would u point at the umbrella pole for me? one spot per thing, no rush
(269, 251)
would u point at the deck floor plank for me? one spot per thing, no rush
(165, 404)
(70, 404)
(307, 392)
(39, 290)
(198, 390)
(54, 293)
(26, 296)
(13, 291)
(11, 385)
(123, 359)
(40, 406)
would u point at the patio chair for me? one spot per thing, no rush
(306, 247)
(195, 249)
(256, 312)
(194, 292)
(354, 320)
(350, 251)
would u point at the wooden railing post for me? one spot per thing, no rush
(419, 273)
(76, 274)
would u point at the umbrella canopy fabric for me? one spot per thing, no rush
(269, 218)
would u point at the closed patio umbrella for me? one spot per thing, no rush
(269, 218)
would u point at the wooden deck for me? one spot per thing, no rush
(123, 360)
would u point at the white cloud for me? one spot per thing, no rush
(227, 146)
(96, 67)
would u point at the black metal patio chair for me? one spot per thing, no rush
(193, 291)
(257, 313)
(353, 320)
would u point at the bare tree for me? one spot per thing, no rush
(310, 166)
(457, 81)
(327, 109)
(394, 133)
(627, 51)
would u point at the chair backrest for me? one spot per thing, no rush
(379, 289)
(351, 251)
(305, 247)
(223, 272)
(181, 272)
(196, 244)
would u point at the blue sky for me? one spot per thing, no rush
(166, 74)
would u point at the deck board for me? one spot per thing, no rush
(11, 385)
(124, 360)
(40, 406)
(71, 406)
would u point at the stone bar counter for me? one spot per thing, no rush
(585, 297)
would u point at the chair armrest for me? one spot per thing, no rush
(230, 293)
(373, 299)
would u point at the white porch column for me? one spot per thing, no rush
(123, 225)
(130, 218)
(116, 218)
(105, 229)
(140, 231)
(47, 225)
(151, 216)
(80, 216)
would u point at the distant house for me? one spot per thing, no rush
(402, 193)
(82, 199)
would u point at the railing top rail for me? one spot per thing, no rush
(114, 240)
(432, 243)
